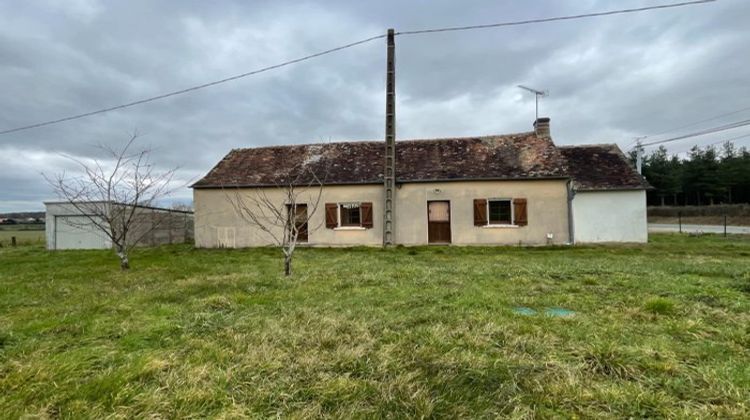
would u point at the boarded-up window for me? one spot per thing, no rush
(439, 211)
(519, 211)
(480, 212)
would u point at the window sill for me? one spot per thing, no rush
(500, 226)
(349, 228)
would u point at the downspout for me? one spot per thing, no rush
(571, 226)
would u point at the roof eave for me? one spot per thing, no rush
(398, 181)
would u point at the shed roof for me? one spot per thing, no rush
(596, 167)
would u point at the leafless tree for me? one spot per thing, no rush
(112, 192)
(277, 211)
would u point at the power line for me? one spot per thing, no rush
(712, 130)
(194, 88)
(553, 19)
(717, 142)
(353, 44)
(716, 117)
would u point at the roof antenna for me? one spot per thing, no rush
(538, 94)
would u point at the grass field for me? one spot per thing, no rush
(661, 330)
(23, 236)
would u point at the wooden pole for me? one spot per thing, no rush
(389, 177)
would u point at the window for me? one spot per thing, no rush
(349, 214)
(500, 212)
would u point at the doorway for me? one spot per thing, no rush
(439, 222)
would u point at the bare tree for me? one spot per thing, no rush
(283, 212)
(112, 192)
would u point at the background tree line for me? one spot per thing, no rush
(706, 176)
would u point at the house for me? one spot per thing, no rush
(78, 226)
(505, 189)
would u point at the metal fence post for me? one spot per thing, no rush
(679, 220)
(725, 225)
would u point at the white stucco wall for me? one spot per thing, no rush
(610, 216)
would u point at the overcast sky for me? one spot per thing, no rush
(610, 78)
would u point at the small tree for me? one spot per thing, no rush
(275, 210)
(111, 193)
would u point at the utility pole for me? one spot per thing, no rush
(639, 155)
(389, 177)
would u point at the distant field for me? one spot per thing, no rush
(736, 214)
(22, 236)
(657, 331)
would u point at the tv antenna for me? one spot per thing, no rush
(537, 94)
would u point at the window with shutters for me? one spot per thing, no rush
(499, 211)
(349, 215)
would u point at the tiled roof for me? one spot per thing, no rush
(601, 167)
(513, 156)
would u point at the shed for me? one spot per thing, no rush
(74, 226)
(608, 197)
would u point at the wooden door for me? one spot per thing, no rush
(439, 222)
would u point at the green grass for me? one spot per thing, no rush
(23, 236)
(661, 330)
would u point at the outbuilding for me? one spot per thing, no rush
(79, 225)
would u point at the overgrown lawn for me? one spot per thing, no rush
(659, 330)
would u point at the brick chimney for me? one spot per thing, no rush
(541, 127)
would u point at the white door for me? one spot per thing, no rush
(78, 232)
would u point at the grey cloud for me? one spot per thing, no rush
(610, 78)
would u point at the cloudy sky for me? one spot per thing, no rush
(610, 79)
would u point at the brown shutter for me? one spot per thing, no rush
(480, 212)
(519, 211)
(331, 215)
(366, 209)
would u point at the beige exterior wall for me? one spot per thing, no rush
(217, 224)
(547, 211)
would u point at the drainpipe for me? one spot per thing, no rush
(571, 227)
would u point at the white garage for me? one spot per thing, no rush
(73, 226)
(77, 232)
(608, 197)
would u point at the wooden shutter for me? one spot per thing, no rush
(480, 212)
(519, 212)
(366, 209)
(331, 215)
